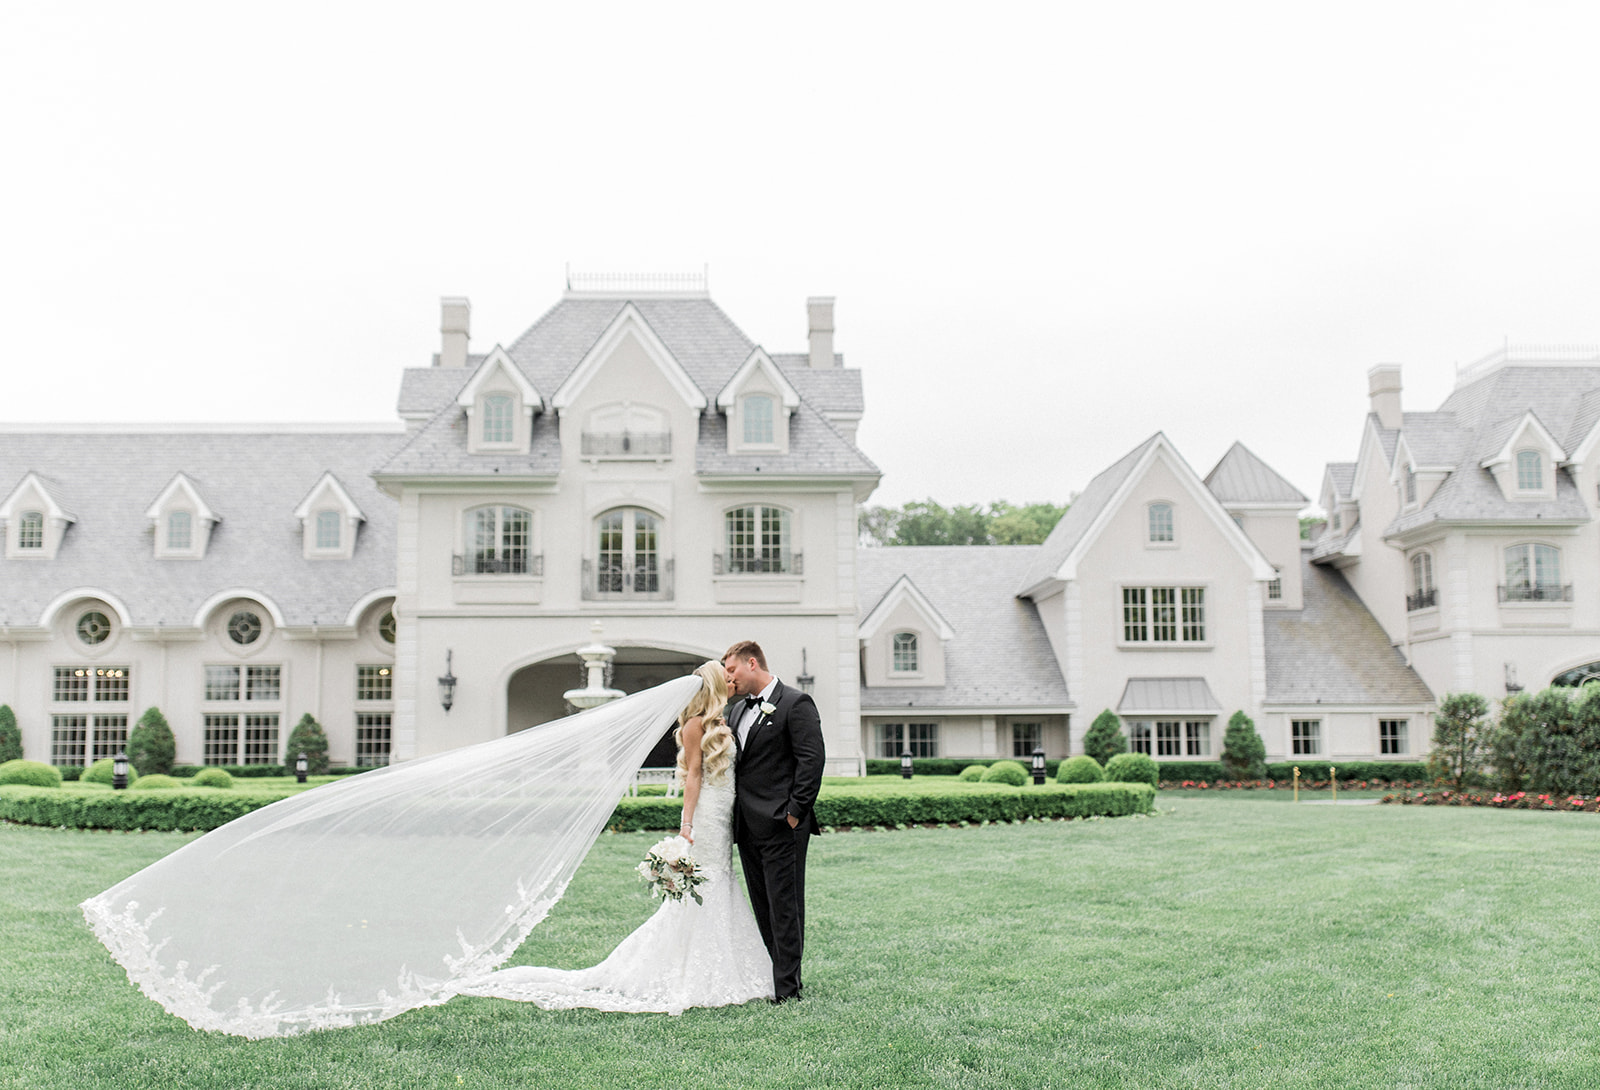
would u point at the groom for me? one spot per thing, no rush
(779, 738)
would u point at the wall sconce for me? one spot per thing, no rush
(1513, 686)
(805, 680)
(447, 684)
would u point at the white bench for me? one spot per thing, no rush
(668, 776)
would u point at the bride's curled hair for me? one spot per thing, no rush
(716, 740)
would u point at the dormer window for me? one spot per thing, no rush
(757, 413)
(1338, 522)
(904, 660)
(1530, 471)
(499, 423)
(328, 530)
(180, 531)
(1411, 484)
(30, 530)
(329, 519)
(181, 521)
(1161, 532)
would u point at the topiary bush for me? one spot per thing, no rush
(212, 777)
(151, 747)
(309, 738)
(1105, 738)
(1243, 752)
(1460, 740)
(1082, 769)
(1010, 772)
(29, 773)
(1132, 768)
(104, 771)
(10, 736)
(156, 781)
(972, 773)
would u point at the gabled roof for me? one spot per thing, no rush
(998, 656)
(1242, 478)
(628, 322)
(331, 483)
(1510, 430)
(181, 484)
(903, 590)
(1333, 651)
(438, 448)
(759, 361)
(50, 489)
(497, 362)
(815, 449)
(1342, 476)
(1089, 513)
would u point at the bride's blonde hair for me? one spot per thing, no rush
(716, 740)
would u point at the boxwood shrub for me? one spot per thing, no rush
(1383, 771)
(166, 811)
(1132, 768)
(972, 773)
(31, 773)
(156, 781)
(1010, 772)
(104, 771)
(69, 772)
(1082, 769)
(211, 777)
(237, 771)
(942, 766)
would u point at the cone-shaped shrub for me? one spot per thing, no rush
(1105, 738)
(309, 738)
(1244, 754)
(151, 747)
(10, 736)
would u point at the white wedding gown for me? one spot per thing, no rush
(686, 955)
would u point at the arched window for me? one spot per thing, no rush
(1411, 484)
(905, 653)
(628, 557)
(1423, 595)
(758, 419)
(1533, 574)
(497, 424)
(1530, 471)
(758, 540)
(1160, 522)
(30, 530)
(500, 540)
(329, 525)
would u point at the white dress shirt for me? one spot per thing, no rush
(748, 714)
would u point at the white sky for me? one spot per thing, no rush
(1051, 230)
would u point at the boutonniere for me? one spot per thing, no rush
(768, 709)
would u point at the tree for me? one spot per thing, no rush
(1459, 734)
(1105, 738)
(151, 747)
(927, 522)
(1243, 751)
(1029, 524)
(309, 738)
(10, 736)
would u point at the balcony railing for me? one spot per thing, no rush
(483, 564)
(1423, 599)
(1536, 592)
(611, 582)
(647, 444)
(781, 564)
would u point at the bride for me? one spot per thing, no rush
(687, 954)
(407, 885)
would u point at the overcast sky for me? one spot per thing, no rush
(1051, 229)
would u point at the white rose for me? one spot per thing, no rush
(768, 709)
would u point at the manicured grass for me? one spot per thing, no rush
(1223, 943)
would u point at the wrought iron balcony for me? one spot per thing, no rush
(1536, 592)
(627, 444)
(1423, 599)
(607, 581)
(486, 564)
(783, 563)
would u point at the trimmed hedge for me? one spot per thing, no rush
(155, 781)
(212, 777)
(1132, 768)
(69, 772)
(972, 773)
(1083, 769)
(839, 806)
(1388, 771)
(104, 771)
(1011, 772)
(30, 773)
(944, 766)
(246, 772)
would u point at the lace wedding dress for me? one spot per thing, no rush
(686, 955)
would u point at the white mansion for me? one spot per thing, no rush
(634, 469)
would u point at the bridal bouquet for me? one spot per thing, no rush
(671, 871)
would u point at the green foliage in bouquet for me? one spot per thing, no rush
(1010, 772)
(1132, 768)
(212, 777)
(1080, 769)
(151, 747)
(10, 735)
(29, 773)
(1105, 738)
(104, 771)
(309, 738)
(1243, 752)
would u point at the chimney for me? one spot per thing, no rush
(455, 319)
(1383, 387)
(819, 316)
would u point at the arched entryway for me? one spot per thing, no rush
(1578, 675)
(533, 695)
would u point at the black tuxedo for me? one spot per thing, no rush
(779, 773)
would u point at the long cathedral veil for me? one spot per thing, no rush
(364, 898)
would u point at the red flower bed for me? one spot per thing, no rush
(1278, 785)
(1519, 800)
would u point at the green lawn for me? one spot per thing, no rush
(1226, 942)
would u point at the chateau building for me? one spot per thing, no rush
(634, 470)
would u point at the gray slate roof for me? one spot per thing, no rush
(703, 340)
(253, 480)
(1343, 475)
(1167, 694)
(1333, 651)
(1241, 477)
(1000, 656)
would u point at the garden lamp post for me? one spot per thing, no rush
(1038, 767)
(300, 767)
(447, 684)
(905, 764)
(119, 771)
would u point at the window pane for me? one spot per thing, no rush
(374, 683)
(221, 740)
(1025, 738)
(497, 419)
(30, 530)
(1160, 522)
(1168, 738)
(261, 739)
(328, 529)
(179, 530)
(1197, 738)
(110, 736)
(1392, 736)
(1134, 618)
(262, 682)
(1519, 571)
(905, 652)
(222, 683)
(1194, 614)
(1139, 736)
(1305, 736)
(72, 684)
(1546, 566)
(923, 739)
(94, 627)
(646, 570)
(372, 739)
(1164, 614)
(1530, 471)
(758, 420)
(111, 682)
(891, 739)
(1275, 587)
(484, 539)
(610, 553)
(69, 736)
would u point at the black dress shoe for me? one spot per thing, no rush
(779, 999)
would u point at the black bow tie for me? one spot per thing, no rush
(751, 701)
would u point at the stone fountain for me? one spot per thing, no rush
(596, 657)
